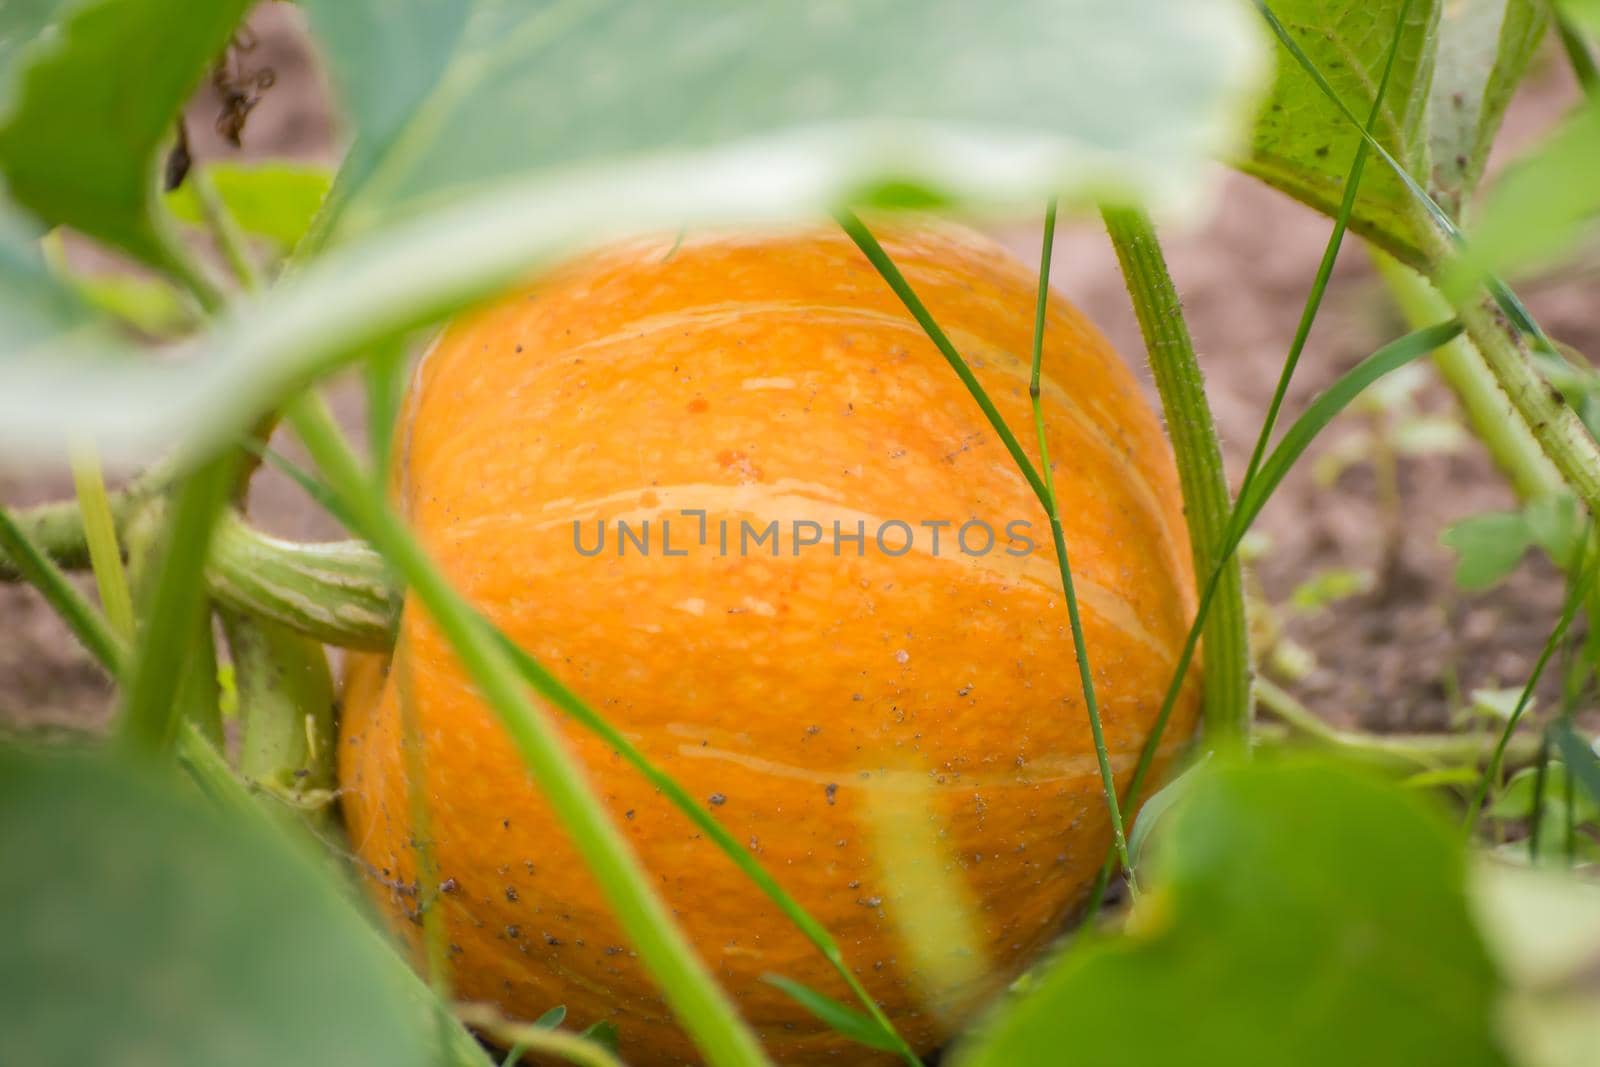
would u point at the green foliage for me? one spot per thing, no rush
(146, 929)
(1304, 914)
(1483, 49)
(1490, 545)
(276, 201)
(1459, 64)
(1541, 207)
(456, 188)
(93, 90)
(1303, 145)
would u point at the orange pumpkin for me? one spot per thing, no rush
(726, 383)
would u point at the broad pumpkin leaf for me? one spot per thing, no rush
(88, 94)
(143, 928)
(1484, 47)
(1303, 145)
(1540, 208)
(1300, 913)
(491, 138)
(1458, 63)
(945, 97)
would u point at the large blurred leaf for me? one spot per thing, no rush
(1458, 63)
(1302, 914)
(141, 929)
(1541, 207)
(1484, 48)
(88, 93)
(976, 101)
(1543, 927)
(1303, 145)
(535, 133)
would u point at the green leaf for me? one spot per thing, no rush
(143, 928)
(272, 200)
(1585, 13)
(1303, 145)
(1556, 525)
(1581, 756)
(1302, 914)
(604, 1034)
(1516, 800)
(1540, 208)
(862, 1029)
(952, 100)
(1483, 50)
(93, 90)
(1543, 928)
(530, 135)
(1489, 547)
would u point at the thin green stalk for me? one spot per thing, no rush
(88, 625)
(1235, 527)
(1578, 589)
(1541, 777)
(1560, 433)
(177, 599)
(1513, 449)
(57, 529)
(230, 240)
(891, 274)
(100, 534)
(1404, 752)
(700, 1005)
(1579, 57)
(1201, 475)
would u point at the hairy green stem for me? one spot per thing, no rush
(1204, 481)
(88, 625)
(1464, 370)
(1403, 752)
(1552, 422)
(702, 1008)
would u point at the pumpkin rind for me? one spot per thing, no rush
(767, 377)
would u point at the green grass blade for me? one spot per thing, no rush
(1334, 399)
(897, 282)
(1508, 301)
(86, 622)
(862, 1029)
(535, 674)
(100, 535)
(702, 1008)
(1577, 590)
(177, 598)
(1583, 766)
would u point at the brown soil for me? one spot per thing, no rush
(1392, 657)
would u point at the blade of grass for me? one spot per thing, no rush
(100, 534)
(1201, 474)
(1235, 529)
(535, 674)
(1577, 589)
(178, 601)
(87, 623)
(862, 1029)
(1583, 766)
(1541, 776)
(700, 1005)
(532, 1037)
(886, 269)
